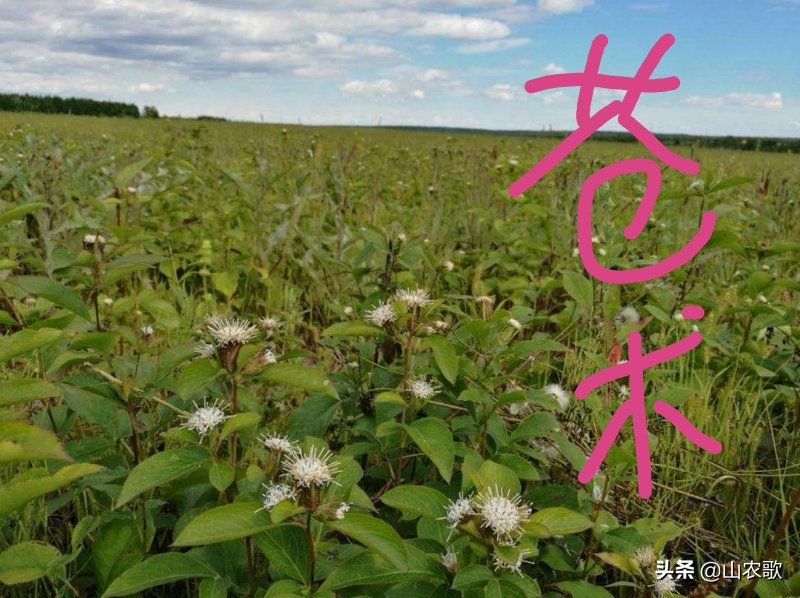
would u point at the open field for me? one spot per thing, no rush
(121, 239)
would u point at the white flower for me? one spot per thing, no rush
(90, 240)
(420, 388)
(500, 563)
(205, 418)
(559, 394)
(623, 392)
(266, 357)
(277, 493)
(108, 301)
(348, 311)
(458, 511)
(645, 557)
(205, 350)
(440, 325)
(502, 513)
(677, 316)
(270, 323)
(230, 331)
(402, 237)
(601, 251)
(595, 240)
(628, 315)
(146, 331)
(312, 468)
(761, 298)
(665, 586)
(488, 299)
(450, 560)
(279, 444)
(575, 252)
(514, 323)
(133, 190)
(765, 267)
(448, 265)
(413, 298)
(381, 314)
(341, 511)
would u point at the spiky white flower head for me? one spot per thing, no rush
(665, 586)
(279, 444)
(230, 331)
(267, 357)
(488, 299)
(623, 392)
(502, 513)
(450, 560)
(761, 298)
(765, 267)
(108, 301)
(341, 510)
(205, 350)
(381, 314)
(413, 298)
(402, 237)
(133, 190)
(628, 315)
(459, 510)
(601, 251)
(595, 240)
(559, 394)
(645, 557)
(311, 468)
(677, 316)
(499, 563)
(575, 252)
(270, 323)
(146, 331)
(514, 323)
(90, 240)
(348, 311)
(277, 493)
(448, 265)
(421, 388)
(206, 418)
(441, 325)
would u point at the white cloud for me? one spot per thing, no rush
(493, 45)
(772, 101)
(381, 88)
(503, 92)
(418, 94)
(563, 6)
(433, 75)
(551, 68)
(149, 88)
(458, 27)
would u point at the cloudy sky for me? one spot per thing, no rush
(417, 62)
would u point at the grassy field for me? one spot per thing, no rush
(121, 240)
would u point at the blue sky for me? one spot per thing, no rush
(415, 62)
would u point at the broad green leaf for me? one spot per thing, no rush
(493, 475)
(580, 289)
(26, 562)
(23, 442)
(445, 355)
(14, 496)
(161, 469)
(370, 568)
(561, 521)
(22, 390)
(128, 264)
(225, 282)
(312, 417)
(352, 328)
(53, 291)
(220, 475)
(98, 409)
(583, 589)
(435, 440)
(240, 421)
(18, 212)
(472, 576)
(163, 312)
(375, 534)
(227, 522)
(117, 547)
(125, 175)
(158, 570)
(286, 547)
(26, 341)
(292, 374)
(417, 500)
(215, 588)
(615, 559)
(535, 425)
(196, 376)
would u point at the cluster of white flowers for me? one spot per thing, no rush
(514, 323)
(502, 513)
(230, 331)
(665, 586)
(381, 314)
(269, 323)
(645, 557)
(267, 357)
(204, 419)
(341, 510)
(450, 560)
(146, 331)
(448, 265)
(458, 511)
(311, 468)
(413, 298)
(501, 563)
(91, 240)
(627, 315)
(279, 444)
(559, 394)
(205, 350)
(421, 388)
(277, 493)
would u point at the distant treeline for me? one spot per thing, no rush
(762, 144)
(14, 102)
